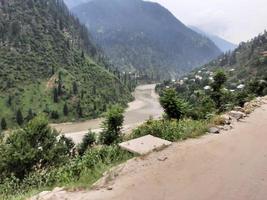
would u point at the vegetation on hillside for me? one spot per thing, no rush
(37, 157)
(50, 65)
(245, 63)
(230, 80)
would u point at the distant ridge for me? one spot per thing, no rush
(142, 35)
(221, 43)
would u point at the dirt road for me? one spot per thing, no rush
(229, 166)
(145, 105)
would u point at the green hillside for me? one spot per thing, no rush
(245, 62)
(242, 73)
(49, 64)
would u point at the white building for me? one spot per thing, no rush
(207, 87)
(241, 86)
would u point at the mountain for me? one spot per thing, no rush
(223, 44)
(50, 65)
(142, 35)
(248, 61)
(231, 80)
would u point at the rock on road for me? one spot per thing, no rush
(229, 166)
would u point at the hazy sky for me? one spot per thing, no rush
(234, 20)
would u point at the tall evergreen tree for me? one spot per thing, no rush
(75, 87)
(66, 109)
(19, 117)
(3, 124)
(79, 110)
(55, 95)
(9, 101)
(30, 115)
(59, 87)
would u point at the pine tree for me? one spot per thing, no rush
(79, 110)
(83, 56)
(9, 101)
(30, 115)
(94, 90)
(55, 95)
(19, 117)
(53, 70)
(59, 88)
(66, 110)
(75, 88)
(3, 124)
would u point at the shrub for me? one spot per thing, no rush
(35, 146)
(112, 126)
(242, 97)
(87, 142)
(174, 107)
(257, 87)
(54, 114)
(202, 108)
(69, 144)
(80, 171)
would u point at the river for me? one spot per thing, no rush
(144, 106)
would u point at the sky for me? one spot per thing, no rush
(234, 20)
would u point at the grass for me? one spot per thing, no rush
(172, 130)
(80, 172)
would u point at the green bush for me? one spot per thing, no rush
(112, 125)
(241, 97)
(34, 147)
(257, 87)
(88, 141)
(174, 107)
(80, 171)
(201, 108)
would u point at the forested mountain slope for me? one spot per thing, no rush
(49, 64)
(245, 71)
(142, 35)
(247, 61)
